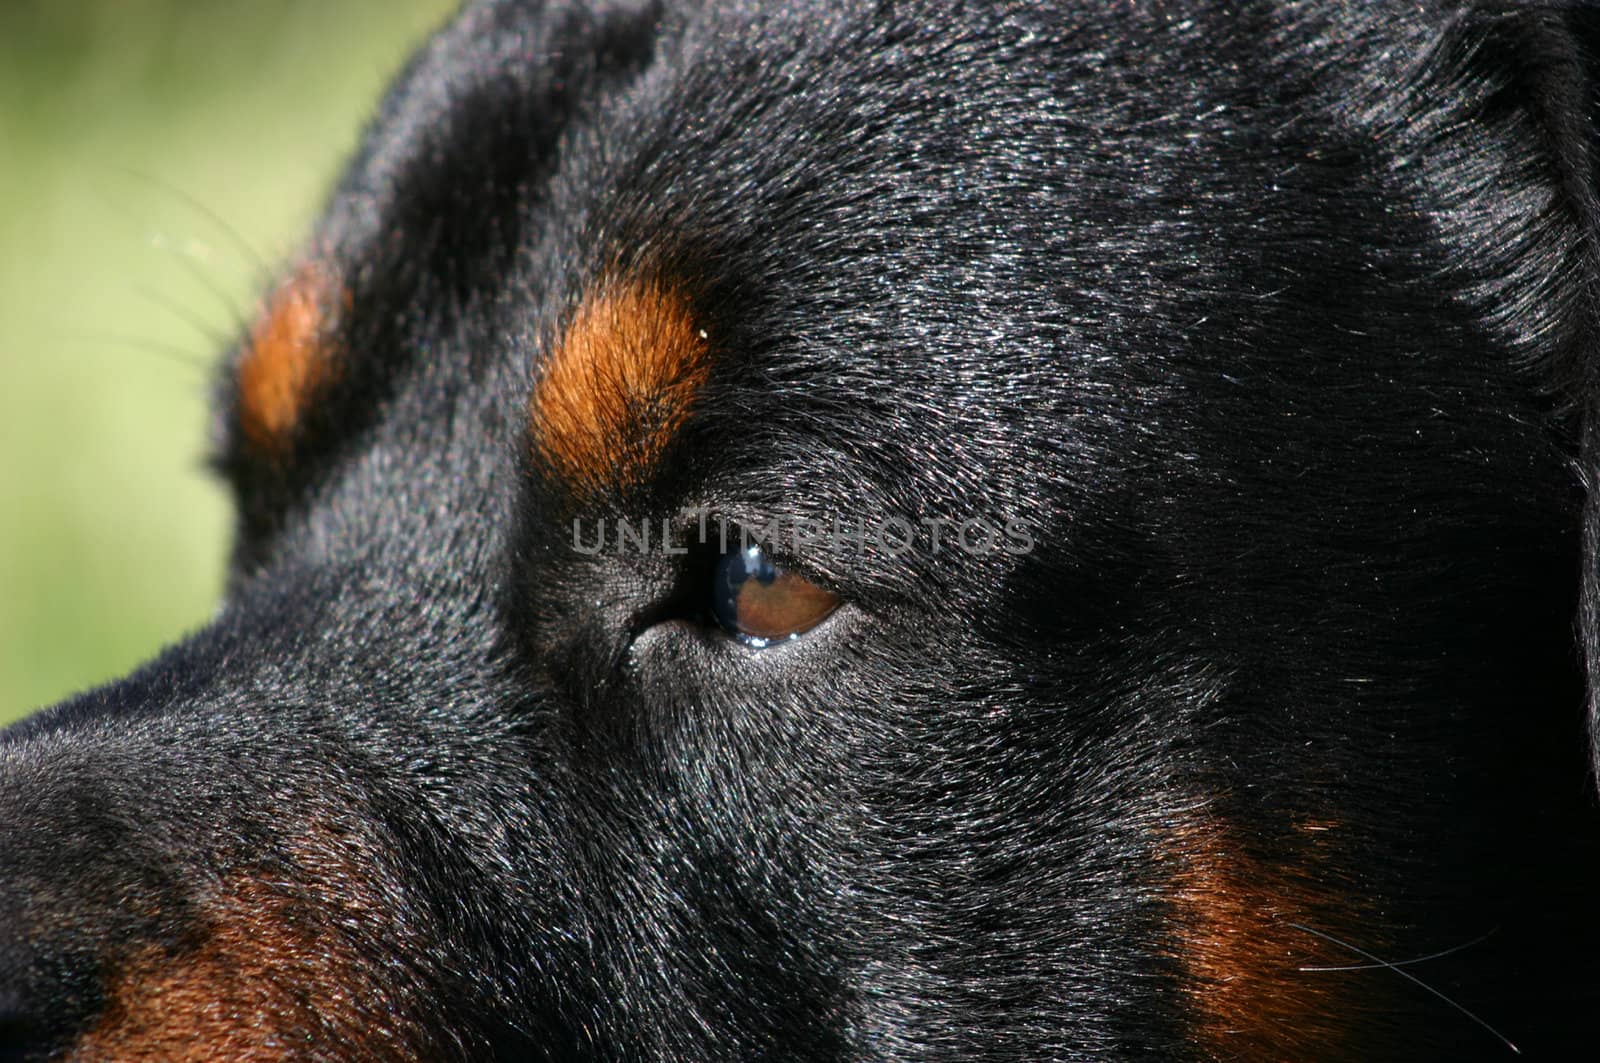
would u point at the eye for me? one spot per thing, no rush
(760, 603)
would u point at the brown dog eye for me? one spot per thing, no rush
(760, 603)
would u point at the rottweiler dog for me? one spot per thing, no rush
(882, 531)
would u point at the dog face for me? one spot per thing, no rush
(822, 532)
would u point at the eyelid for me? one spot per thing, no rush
(723, 533)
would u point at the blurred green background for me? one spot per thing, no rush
(157, 157)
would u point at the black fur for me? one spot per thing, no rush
(1274, 322)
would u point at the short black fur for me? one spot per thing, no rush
(1273, 322)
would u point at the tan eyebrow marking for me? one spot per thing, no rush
(288, 358)
(619, 385)
(1241, 955)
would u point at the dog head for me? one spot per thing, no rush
(833, 532)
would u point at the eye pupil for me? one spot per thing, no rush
(759, 603)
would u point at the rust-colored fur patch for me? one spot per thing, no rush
(1242, 954)
(283, 971)
(619, 385)
(287, 360)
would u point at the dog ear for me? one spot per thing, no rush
(1537, 65)
(1562, 50)
(1556, 51)
(471, 129)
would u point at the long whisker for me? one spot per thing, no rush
(207, 330)
(167, 352)
(1408, 976)
(256, 260)
(1405, 963)
(192, 264)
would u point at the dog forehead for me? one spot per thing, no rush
(909, 220)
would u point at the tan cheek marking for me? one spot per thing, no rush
(1242, 956)
(281, 974)
(618, 386)
(287, 360)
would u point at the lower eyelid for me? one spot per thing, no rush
(685, 645)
